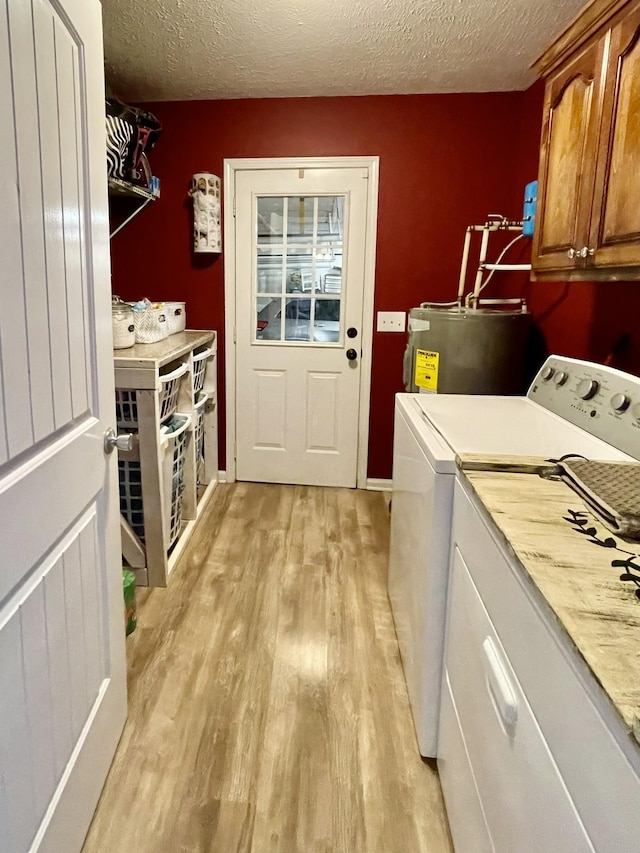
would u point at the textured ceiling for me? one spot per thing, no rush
(161, 50)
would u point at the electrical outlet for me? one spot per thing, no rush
(391, 321)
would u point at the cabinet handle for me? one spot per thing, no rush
(571, 253)
(502, 693)
(586, 252)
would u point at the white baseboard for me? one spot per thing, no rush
(373, 484)
(376, 485)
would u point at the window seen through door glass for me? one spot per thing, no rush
(269, 270)
(270, 219)
(299, 252)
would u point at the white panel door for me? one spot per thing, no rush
(300, 262)
(62, 663)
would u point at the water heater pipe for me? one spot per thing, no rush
(463, 266)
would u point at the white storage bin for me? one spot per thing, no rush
(174, 438)
(199, 367)
(130, 481)
(176, 316)
(151, 325)
(176, 434)
(198, 434)
(127, 403)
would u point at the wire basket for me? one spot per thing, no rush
(198, 434)
(174, 439)
(199, 367)
(127, 401)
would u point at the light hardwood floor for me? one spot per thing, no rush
(267, 705)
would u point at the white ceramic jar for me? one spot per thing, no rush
(123, 326)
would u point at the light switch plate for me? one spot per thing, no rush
(391, 321)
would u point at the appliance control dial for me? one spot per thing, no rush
(561, 377)
(587, 388)
(635, 411)
(620, 402)
(547, 373)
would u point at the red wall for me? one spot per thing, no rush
(446, 161)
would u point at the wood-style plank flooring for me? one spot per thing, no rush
(267, 705)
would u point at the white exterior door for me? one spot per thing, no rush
(300, 269)
(62, 664)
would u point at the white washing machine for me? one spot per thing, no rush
(571, 407)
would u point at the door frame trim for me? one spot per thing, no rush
(231, 167)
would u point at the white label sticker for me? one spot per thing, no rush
(416, 325)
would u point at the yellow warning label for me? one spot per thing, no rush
(426, 374)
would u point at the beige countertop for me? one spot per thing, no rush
(599, 612)
(154, 356)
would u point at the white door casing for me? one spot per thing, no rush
(298, 411)
(62, 662)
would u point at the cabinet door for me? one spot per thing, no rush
(615, 230)
(567, 160)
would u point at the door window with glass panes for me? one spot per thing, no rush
(298, 272)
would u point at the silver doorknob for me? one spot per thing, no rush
(122, 442)
(571, 253)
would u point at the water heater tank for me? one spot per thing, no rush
(455, 350)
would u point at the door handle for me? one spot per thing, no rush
(122, 442)
(502, 693)
(351, 354)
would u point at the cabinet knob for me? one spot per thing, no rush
(571, 253)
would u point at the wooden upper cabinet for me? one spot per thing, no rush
(588, 218)
(615, 227)
(568, 161)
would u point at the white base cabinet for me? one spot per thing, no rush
(151, 489)
(530, 757)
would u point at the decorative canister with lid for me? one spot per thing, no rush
(123, 327)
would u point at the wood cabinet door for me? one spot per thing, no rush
(568, 150)
(615, 226)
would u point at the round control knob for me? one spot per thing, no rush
(587, 388)
(635, 411)
(561, 378)
(620, 402)
(547, 373)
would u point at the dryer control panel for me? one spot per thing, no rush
(601, 400)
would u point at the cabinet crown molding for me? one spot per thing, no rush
(586, 26)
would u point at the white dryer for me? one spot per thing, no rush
(569, 408)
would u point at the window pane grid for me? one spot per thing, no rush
(298, 280)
